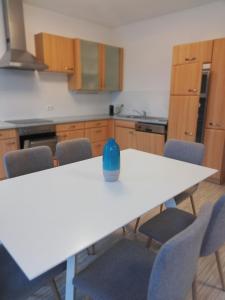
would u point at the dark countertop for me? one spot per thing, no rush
(69, 119)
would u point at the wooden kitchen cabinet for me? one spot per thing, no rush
(195, 52)
(215, 153)
(55, 51)
(97, 67)
(8, 142)
(97, 132)
(87, 75)
(70, 131)
(125, 137)
(112, 68)
(216, 98)
(186, 79)
(183, 115)
(150, 142)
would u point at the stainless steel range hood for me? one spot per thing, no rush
(17, 56)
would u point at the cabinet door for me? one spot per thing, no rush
(150, 142)
(70, 135)
(96, 134)
(87, 66)
(186, 79)
(90, 71)
(112, 68)
(6, 146)
(55, 51)
(183, 115)
(214, 154)
(216, 99)
(125, 137)
(194, 52)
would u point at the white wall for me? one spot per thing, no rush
(27, 94)
(148, 53)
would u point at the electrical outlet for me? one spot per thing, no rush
(50, 107)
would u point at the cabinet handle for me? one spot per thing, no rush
(73, 126)
(98, 124)
(188, 133)
(131, 132)
(98, 145)
(192, 90)
(10, 143)
(68, 68)
(187, 59)
(193, 58)
(98, 131)
(215, 124)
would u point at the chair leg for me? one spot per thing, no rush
(136, 224)
(149, 242)
(220, 269)
(55, 290)
(92, 252)
(194, 289)
(124, 230)
(161, 207)
(193, 204)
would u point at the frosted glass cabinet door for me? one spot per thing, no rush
(112, 68)
(89, 65)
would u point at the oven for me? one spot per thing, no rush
(43, 135)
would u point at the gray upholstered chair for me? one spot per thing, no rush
(129, 271)
(170, 222)
(187, 152)
(13, 283)
(26, 161)
(71, 151)
(15, 286)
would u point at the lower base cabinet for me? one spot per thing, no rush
(143, 141)
(96, 131)
(8, 142)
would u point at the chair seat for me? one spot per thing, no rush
(13, 282)
(167, 224)
(186, 194)
(121, 273)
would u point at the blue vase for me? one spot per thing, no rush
(111, 160)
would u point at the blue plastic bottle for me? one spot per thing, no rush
(111, 160)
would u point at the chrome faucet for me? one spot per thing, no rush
(142, 113)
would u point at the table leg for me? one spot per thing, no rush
(70, 274)
(170, 203)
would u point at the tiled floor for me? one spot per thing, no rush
(209, 287)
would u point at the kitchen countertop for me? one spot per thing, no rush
(69, 119)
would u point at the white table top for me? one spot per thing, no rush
(48, 216)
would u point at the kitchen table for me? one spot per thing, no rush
(51, 216)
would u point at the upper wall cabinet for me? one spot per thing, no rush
(86, 66)
(55, 51)
(186, 79)
(96, 67)
(196, 52)
(112, 68)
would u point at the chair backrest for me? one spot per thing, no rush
(215, 233)
(185, 151)
(25, 161)
(175, 265)
(71, 151)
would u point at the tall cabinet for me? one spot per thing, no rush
(215, 121)
(185, 99)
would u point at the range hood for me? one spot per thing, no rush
(16, 55)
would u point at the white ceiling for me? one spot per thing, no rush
(113, 13)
